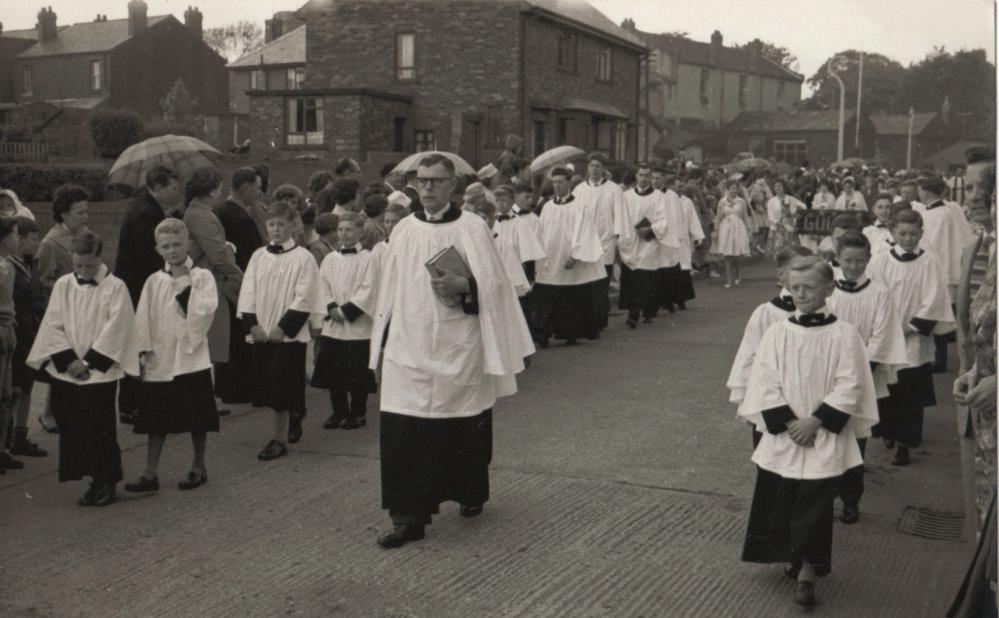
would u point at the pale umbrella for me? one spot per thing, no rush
(555, 156)
(852, 162)
(754, 163)
(410, 163)
(182, 153)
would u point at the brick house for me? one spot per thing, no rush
(694, 88)
(794, 137)
(129, 62)
(394, 76)
(891, 143)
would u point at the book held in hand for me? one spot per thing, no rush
(448, 260)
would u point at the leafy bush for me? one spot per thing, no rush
(114, 130)
(156, 129)
(37, 183)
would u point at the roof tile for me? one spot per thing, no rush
(96, 36)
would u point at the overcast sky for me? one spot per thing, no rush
(904, 30)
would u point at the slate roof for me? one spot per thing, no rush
(87, 37)
(898, 124)
(286, 49)
(776, 122)
(585, 14)
(688, 51)
(29, 34)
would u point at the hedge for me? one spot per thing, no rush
(114, 130)
(37, 183)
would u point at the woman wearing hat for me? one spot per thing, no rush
(850, 198)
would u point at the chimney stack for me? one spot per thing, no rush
(46, 25)
(192, 19)
(755, 51)
(716, 45)
(629, 25)
(137, 17)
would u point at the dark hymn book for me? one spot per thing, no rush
(448, 260)
(643, 223)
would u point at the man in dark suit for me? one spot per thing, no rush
(241, 231)
(137, 257)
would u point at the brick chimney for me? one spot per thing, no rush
(138, 18)
(46, 25)
(755, 51)
(192, 19)
(716, 45)
(629, 25)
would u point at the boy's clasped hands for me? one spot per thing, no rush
(259, 335)
(802, 430)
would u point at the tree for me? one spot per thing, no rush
(235, 40)
(775, 53)
(965, 78)
(179, 106)
(883, 77)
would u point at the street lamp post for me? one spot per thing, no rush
(908, 148)
(842, 106)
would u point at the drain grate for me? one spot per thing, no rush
(932, 524)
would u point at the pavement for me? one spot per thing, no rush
(620, 488)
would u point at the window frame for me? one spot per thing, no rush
(261, 83)
(570, 61)
(705, 87)
(605, 68)
(743, 90)
(27, 80)
(98, 64)
(294, 78)
(399, 67)
(540, 131)
(423, 140)
(308, 139)
(494, 124)
(781, 151)
(621, 141)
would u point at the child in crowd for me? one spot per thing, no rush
(8, 339)
(918, 288)
(777, 309)
(326, 225)
(841, 224)
(280, 292)
(348, 295)
(168, 350)
(868, 306)
(81, 344)
(810, 428)
(879, 232)
(29, 306)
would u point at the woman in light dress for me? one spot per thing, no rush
(781, 212)
(732, 240)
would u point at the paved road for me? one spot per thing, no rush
(621, 485)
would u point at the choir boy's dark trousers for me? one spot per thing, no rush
(852, 487)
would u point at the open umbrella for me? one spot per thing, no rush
(753, 163)
(461, 167)
(553, 157)
(851, 162)
(182, 153)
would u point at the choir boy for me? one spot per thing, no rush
(879, 232)
(168, 351)
(918, 288)
(811, 394)
(868, 306)
(841, 224)
(691, 234)
(644, 237)
(348, 293)
(671, 268)
(280, 292)
(777, 309)
(602, 201)
(81, 345)
(564, 300)
(515, 230)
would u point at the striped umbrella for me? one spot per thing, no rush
(410, 163)
(182, 153)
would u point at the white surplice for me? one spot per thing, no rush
(871, 310)
(803, 368)
(674, 227)
(348, 278)
(84, 317)
(440, 362)
(636, 252)
(918, 290)
(520, 232)
(690, 233)
(277, 282)
(762, 318)
(567, 232)
(178, 339)
(506, 238)
(879, 237)
(602, 203)
(946, 232)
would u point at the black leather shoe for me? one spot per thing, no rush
(791, 569)
(681, 306)
(88, 498)
(193, 480)
(273, 450)
(400, 535)
(571, 342)
(850, 514)
(901, 456)
(354, 423)
(467, 510)
(333, 422)
(632, 323)
(104, 495)
(142, 485)
(294, 429)
(804, 594)
(224, 411)
(647, 320)
(26, 448)
(9, 462)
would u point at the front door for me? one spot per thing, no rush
(471, 142)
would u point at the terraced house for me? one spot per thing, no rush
(397, 76)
